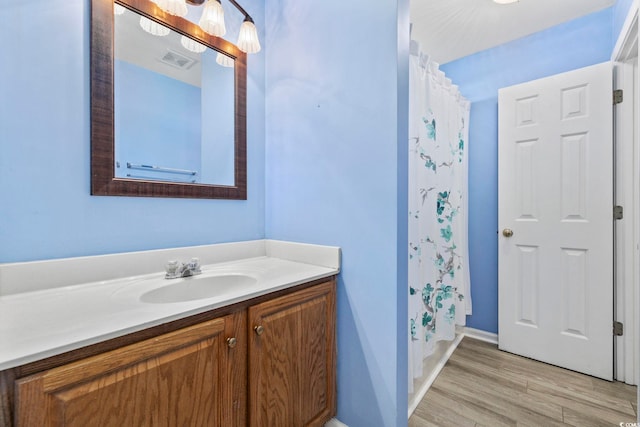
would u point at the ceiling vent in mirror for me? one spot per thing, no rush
(177, 60)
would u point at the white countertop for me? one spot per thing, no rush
(38, 324)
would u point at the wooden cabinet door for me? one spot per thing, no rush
(182, 378)
(292, 359)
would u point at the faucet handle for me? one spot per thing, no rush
(172, 267)
(194, 265)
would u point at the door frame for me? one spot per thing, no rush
(627, 170)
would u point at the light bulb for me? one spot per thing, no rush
(152, 27)
(248, 40)
(192, 45)
(212, 19)
(506, 1)
(118, 9)
(173, 7)
(224, 60)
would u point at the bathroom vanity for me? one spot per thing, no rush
(263, 355)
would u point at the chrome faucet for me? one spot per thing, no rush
(176, 269)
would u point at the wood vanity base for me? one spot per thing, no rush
(263, 362)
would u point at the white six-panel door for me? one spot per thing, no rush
(555, 197)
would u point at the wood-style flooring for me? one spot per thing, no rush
(483, 386)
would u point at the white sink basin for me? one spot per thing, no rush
(196, 287)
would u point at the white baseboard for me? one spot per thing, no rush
(419, 394)
(333, 422)
(485, 336)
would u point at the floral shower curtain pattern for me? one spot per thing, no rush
(439, 286)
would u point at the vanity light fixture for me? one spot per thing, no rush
(212, 20)
(248, 40)
(506, 1)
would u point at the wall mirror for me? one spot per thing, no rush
(168, 106)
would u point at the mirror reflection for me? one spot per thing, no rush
(174, 105)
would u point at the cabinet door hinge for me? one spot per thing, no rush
(618, 212)
(618, 329)
(617, 96)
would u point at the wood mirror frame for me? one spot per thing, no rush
(103, 179)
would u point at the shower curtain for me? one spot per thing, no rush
(439, 286)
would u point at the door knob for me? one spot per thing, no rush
(259, 330)
(232, 342)
(507, 232)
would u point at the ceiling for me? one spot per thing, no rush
(451, 29)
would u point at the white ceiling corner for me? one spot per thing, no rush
(451, 29)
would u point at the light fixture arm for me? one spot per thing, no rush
(247, 17)
(241, 9)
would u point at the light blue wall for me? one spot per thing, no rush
(46, 210)
(336, 98)
(578, 43)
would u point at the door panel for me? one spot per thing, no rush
(555, 194)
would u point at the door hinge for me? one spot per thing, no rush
(617, 96)
(618, 329)
(618, 212)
